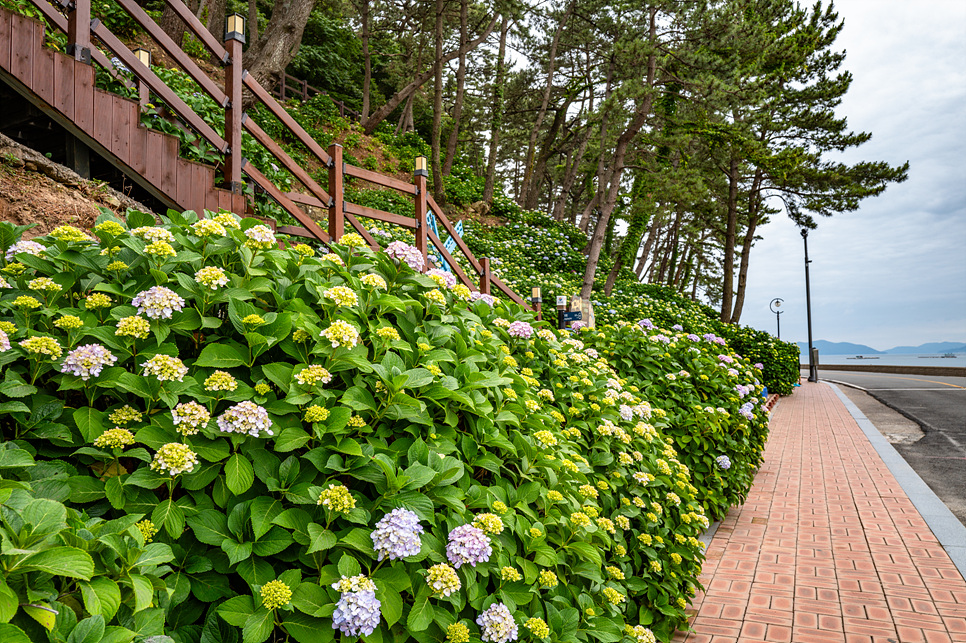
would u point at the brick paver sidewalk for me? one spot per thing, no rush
(828, 547)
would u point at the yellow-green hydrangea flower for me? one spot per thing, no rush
(374, 281)
(253, 320)
(26, 302)
(147, 529)
(342, 296)
(97, 300)
(112, 228)
(116, 438)
(174, 458)
(353, 240)
(500, 507)
(356, 422)
(436, 297)
(275, 594)
(547, 579)
(124, 415)
(42, 345)
(614, 572)
(160, 249)
(510, 574)
(69, 322)
(337, 499)
(220, 381)
(44, 284)
(538, 627)
(304, 250)
(70, 234)
(443, 580)
(388, 332)
(613, 596)
(133, 326)
(489, 523)
(457, 633)
(316, 413)
(312, 375)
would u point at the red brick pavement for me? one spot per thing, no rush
(828, 547)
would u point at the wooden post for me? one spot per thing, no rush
(79, 30)
(486, 276)
(419, 178)
(537, 302)
(337, 202)
(234, 40)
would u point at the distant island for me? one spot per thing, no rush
(847, 348)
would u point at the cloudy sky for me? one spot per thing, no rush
(894, 271)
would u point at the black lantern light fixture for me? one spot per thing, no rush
(421, 167)
(775, 307)
(235, 27)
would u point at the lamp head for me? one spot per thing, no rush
(144, 55)
(235, 27)
(421, 168)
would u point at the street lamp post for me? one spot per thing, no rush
(774, 306)
(812, 367)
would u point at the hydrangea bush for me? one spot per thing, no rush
(243, 441)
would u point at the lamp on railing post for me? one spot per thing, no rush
(812, 366)
(775, 307)
(419, 179)
(79, 30)
(144, 56)
(537, 302)
(234, 41)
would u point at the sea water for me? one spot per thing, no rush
(891, 360)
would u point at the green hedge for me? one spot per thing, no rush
(363, 387)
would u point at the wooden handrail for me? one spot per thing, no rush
(339, 210)
(286, 119)
(385, 181)
(442, 218)
(171, 48)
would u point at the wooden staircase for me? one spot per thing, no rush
(63, 89)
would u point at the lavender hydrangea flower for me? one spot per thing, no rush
(357, 613)
(397, 535)
(468, 544)
(520, 329)
(441, 277)
(759, 365)
(646, 323)
(723, 462)
(407, 253)
(4, 342)
(489, 300)
(694, 338)
(245, 417)
(86, 361)
(497, 624)
(678, 327)
(30, 247)
(158, 302)
(627, 413)
(746, 410)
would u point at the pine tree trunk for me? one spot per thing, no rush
(216, 18)
(268, 58)
(366, 61)
(571, 176)
(754, 210)
(496, 120)
(378, 116)
(729, 247)
(434, 141)
(252, 21)
(544, 104)
(453, 141)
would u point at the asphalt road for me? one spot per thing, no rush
(938, 406)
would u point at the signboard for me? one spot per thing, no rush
(572, 316)
(561, 300)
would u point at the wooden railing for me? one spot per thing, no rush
(80, 29)
(289, 86)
